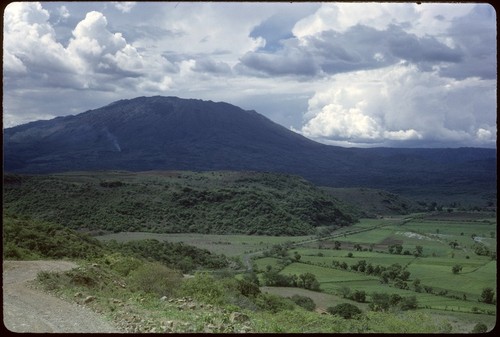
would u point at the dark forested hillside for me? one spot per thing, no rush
(177, 202)
(169, 133)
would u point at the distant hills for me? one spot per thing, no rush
(177, 202)
(170, 133)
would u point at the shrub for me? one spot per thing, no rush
(49, 280)
(304, 302)
(248, 288)
(345, 310)
(359, 296)
(487, 295)
(480, 328)
(155, 278)
(273, 303)
(380, 302)
(409, 303)
(205, 288)
(123, 265)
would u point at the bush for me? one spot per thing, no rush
(359, 296)
(248, 288)
(155, 278)
(205, 288)
(123, 265)
(456, 269)
(480, 328)
(304, 302)
(273, 303)
(487, 296)
(409, 303)
(345, 310)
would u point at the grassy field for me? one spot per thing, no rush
(453, 295)
(229, 245)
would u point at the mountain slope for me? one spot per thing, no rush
(169, 133)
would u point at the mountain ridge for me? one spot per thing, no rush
(171, 133)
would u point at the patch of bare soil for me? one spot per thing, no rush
(26, 309)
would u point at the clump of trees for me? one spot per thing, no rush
(272, 277)
(357, 295)
(394, 273)
(384, 301)
(398, 249)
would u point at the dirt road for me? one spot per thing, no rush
(30, 310)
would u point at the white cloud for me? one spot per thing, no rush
(99, 49)
(424, 19)
(401, 103)
(342, 64)
(124, 6)
(63, 12)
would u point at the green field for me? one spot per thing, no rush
(229, 245)
(451, 294)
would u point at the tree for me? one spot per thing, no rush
(345, 310)
(362, 266)
(345, 291)
(454, 244)
(488, 295)
(251, 277)
(304, 302)
(308, 281)
(248, 288)
(417, 286)
(480, 328)
(395, 299)
(418, 251)
(359, 296)
(297, 256)
(456, 269)
(380, 302)
(409, 303)
(405, 275)
(337, 245)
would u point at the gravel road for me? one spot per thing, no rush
(30, 310)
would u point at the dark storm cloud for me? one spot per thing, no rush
(425, 49)
(476, 35)
(358, 48)
(279, 27)
(208, 65)
(292, 60)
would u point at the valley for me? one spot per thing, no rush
(419, 262)
(200, 216)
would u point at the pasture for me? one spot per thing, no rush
(447, 292)
(229, 245)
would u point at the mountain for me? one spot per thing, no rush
(170, 133)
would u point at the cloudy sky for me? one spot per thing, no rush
(349, 74)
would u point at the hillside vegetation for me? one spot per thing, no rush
(28, 239)
(148, 296)
(372, 202)
(177, 202)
